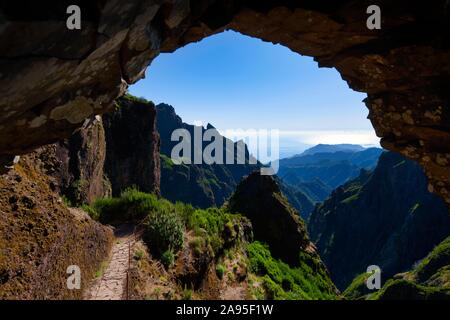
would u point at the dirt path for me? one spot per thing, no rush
(112, 284)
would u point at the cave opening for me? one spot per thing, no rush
(58, 84)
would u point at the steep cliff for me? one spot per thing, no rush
(386, 217)
(132, 146)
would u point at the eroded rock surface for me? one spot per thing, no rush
(52, 78)
(40, 237)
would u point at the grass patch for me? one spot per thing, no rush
(438, 258)
(309, 281)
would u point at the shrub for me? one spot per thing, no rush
(210, 224)
(138, 255)
(131, 205)
(163, 231)
(220, 271)
(168, 258)
(187, 294)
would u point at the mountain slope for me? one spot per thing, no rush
(278, 225)
(201, 185)
(428, 280)
(386, 218)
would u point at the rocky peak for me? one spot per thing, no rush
(274, 221)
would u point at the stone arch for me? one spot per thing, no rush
(52, 79)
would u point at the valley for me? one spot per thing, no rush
(142, 227)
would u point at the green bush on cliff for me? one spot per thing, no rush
(132, 98)
(163, 231)
(168, 258)
(212, 221)
(132, 205)
(308, 281)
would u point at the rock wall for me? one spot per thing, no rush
(132, 146)
(77, 164)
(40, 237)
(53, 78)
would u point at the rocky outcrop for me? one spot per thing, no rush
(132, 146)
(274, 221)
(386, 218)
(40, 237)
(53, 78)
(77, 164)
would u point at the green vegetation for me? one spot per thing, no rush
(414, 208)
(168, 258)
(399, 164)
(280, 281)
(132, 98)
(358, 288)
(164, 231)
(67, 201)
(351, 198)
(213, 232)
(138, 255)
(132, 205)
(402, 289)
(430, 279)
(164, 222)
(187, 294)
(437, 259)
(210, 224)
(220, 271)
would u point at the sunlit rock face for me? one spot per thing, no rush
(52, 78)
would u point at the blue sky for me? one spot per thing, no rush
(237, 82)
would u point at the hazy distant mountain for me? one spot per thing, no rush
(331, 168)
(313, 174)
(320, 148)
